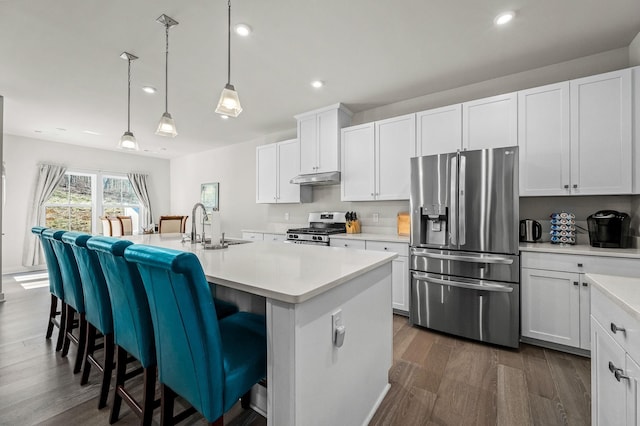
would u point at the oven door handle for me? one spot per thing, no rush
(499, 288)
(485, 258)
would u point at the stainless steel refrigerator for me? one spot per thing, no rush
(465, 266)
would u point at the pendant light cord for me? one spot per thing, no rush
(229, 47)
(129, 98)
(166, 71)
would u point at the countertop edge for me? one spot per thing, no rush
(391, 238)
(604, 284)
(581, 249)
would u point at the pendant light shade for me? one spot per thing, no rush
(229, 103)
(128, 141)
(166, 126)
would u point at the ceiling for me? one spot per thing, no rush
(61, 73)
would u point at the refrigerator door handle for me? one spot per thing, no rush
(484, 258)
(461, 200)
(453, 214)
(472, 286)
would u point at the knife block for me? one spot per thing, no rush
(353, 227)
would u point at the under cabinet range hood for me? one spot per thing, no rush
(326, 178)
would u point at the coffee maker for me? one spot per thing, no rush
(609, 229)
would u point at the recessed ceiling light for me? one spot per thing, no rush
(91, 132)
(242, 30)
(504, 17)
(149, 89)
(317, 84)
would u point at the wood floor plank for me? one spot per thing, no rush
(572, 393)
(513, 398)
(539, 378)
(545, 411)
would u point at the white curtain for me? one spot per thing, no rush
(139, 184)
(48, 178)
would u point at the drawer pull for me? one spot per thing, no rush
(615, 328)
(585, 284)
(579, 265)
(617, 372)
(575, 283)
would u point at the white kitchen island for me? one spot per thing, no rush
(310, 380)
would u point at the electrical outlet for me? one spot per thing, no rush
(286, 216)
(337, 328)
(376, 217)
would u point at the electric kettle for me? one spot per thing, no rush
(530, 231)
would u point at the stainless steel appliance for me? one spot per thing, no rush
(609, 229)
(530, 231)
(464, 263)
(321, 225)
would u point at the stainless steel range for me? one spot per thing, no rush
(321, 225)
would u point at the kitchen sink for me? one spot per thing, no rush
(227, 243)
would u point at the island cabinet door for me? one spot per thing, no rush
(633, 396)
(608, 395)
(551, 306)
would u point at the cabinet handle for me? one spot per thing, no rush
(575, 185)
(615, 328)
(346, 245)
(575, 283)
(617, 372)
(579, 265)
(585, 284)
(566, 187)
(372, 194)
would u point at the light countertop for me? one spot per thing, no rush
(623, 291)
(580, 249)
(291, 273)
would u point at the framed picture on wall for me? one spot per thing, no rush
(209, 195)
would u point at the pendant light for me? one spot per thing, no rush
(128, 141)
(166, 126)
(229, 103)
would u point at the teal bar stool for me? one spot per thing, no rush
(97, 305)
(133, 331)
(55, 286)
(210, 363)
(73, 297)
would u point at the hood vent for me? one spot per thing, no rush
(327, 178)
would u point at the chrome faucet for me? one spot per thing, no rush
(194, 235)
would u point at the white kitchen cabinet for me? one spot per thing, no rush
(490, 122)
(614, 397)
(555, 302)
(399, 273)
(551, 306)
(399, 266)
(319, 135)
(274, 237)
(439, 130)
(544, 140)
(375, 160)
(357, 180)
(276, 164)
(601, 134)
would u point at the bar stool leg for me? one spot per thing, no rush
(90, 346)
(121, 369)
(61, 331)
(68, 327)
(107, 369)
(81, 344)
(53, 311)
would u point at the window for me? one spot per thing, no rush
(77, 202)
(71, 204)
(118, 198)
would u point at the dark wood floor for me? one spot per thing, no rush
(435, 379)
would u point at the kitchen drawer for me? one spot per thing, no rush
(606, 265)
(401, 248)
(252, 236)
(607, 312)
(554, 262)
(274, 237)
(348, 243)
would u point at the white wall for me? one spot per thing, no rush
(634, 51)
(22, 156)
(234, 166)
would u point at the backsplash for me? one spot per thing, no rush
(540, 209)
